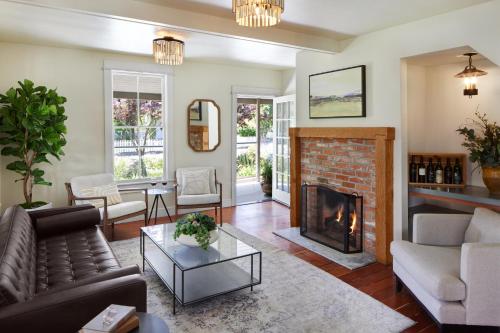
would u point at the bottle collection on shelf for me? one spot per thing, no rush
(435, 173)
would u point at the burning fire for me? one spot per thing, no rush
(339, 214)
(354, 220)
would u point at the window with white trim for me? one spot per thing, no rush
(138, 126)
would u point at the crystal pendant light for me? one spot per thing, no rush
(258, 13)
(168, 51)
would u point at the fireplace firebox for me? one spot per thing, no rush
(332, 218)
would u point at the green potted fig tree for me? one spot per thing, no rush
(482, 140)
(31, 129)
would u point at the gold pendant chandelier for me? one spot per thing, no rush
(258, 13)
(168, 51)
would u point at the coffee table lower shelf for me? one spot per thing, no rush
(198, 284)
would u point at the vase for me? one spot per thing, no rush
(267, 188)
(491, 178)
(192, 242)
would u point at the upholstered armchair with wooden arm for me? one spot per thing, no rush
(100, 190)
(198, 187)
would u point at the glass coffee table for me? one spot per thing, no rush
(193, 274)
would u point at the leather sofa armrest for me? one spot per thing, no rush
(70, 310)
(36, 214)
(66, 222)
(440, 229)
(480, 271)
(113, 274)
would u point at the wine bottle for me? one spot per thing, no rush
(439, 172)
(413, 170)
(431, 175)
(421, 171)
(457, 172)
(448, 172)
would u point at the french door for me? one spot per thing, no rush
(283, 119)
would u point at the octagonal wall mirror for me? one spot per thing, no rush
(203, 118)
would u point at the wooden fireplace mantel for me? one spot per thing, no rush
(384, 156)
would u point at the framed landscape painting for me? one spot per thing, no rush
(338, 94)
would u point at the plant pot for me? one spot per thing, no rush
(491, 178)
(192, 242)
(46, 206)
(267, 188)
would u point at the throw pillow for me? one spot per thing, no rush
(195, 182)
(109, 191)
(484, 227)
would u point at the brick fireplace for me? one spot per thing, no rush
(351, 160)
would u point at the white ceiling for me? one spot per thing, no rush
(46, 22)
(50, 26)
(444, 57)
(342, 17)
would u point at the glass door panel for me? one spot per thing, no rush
(284, 118)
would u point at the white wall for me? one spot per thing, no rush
(78, 75)
(382, 52)
(289, 82)
(441, 108)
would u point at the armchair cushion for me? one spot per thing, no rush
(484, 227)
(110, 191)
(211, 170)
(435, 268)
(198, 199)
(440, 229)
(82, 182)
(195, 182)
(122, 209)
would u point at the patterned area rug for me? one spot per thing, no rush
(293, 297)
(351, 261)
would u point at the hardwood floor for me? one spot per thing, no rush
(261, 219)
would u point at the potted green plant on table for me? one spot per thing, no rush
(266, 173)
(482, 139)
(31, 129)
(196, 230)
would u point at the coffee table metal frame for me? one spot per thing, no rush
(183, 270)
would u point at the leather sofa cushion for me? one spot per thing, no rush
(17, 256)
(72, 257)
(435, 268)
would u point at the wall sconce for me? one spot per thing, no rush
(470, 75)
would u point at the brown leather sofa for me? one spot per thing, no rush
(57, 271)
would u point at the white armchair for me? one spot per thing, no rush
(198, 188)
(453, 267)
(100, 190)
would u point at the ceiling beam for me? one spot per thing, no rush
(174, 19)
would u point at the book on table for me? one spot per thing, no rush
(114, 319)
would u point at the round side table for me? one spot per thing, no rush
(158, 193)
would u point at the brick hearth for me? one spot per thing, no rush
(351, 160)
(349, 166)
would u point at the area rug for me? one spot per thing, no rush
(351, 261)
(293, 297)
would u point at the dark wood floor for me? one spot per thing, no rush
(375, 280)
